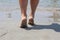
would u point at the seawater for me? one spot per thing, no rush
(40, 16)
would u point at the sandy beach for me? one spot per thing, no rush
(45, 29)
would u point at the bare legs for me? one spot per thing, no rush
(23, 5)
(33, 4)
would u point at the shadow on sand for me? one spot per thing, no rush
(55, 27)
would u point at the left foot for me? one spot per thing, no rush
(31, 21)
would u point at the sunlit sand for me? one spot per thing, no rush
(47, 22)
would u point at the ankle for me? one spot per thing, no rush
(31, 17)
(24, 18)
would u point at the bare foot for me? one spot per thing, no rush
(23, 23)
(31, 21)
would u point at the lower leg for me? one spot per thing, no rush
(34, 4)
(23, 6)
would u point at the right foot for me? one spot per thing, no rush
(24, 23)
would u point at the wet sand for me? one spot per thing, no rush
(10, 30)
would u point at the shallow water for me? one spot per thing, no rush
(9, 10)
